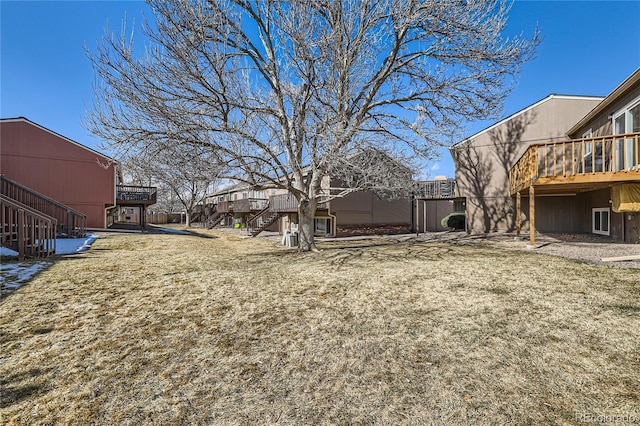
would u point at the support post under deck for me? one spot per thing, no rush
(518, 213)
(532, 215)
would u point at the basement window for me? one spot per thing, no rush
(600, 222)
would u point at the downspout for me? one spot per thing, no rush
(115, 192)
(334, 219)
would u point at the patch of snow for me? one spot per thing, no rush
(74, 245)
(4, 251)
(13, 275)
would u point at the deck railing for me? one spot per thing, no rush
(248, 205)
(224, 207)
(69, 221)
(129, 194)
(288, 203)
(26, 230)
(603, 158)
(437, 189)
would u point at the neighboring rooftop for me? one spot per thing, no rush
(26, 120)
(522, 111)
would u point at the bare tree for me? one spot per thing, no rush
(183, 176)
(284, 92)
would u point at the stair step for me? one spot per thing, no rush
(265, 224)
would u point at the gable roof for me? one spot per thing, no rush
(617, 93)
(237, 186)
(26, 120)
(523, 111)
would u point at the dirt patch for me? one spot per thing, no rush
(584, 247)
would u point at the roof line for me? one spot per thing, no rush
(611, 97)
(24, 119)
(524, 110)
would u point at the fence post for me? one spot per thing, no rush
(21, 232)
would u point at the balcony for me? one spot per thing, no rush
(127, 195)
(437, 189)
(577, 165)
(287, 203)
(224, 207)
(249, 205)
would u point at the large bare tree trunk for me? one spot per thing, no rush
(187, 219)
(306, 212)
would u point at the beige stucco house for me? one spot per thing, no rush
(589, 182)
(484, 159)
(566, 164)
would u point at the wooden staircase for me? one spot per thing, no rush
(25, 230)
(261, 221)
(214, 220)
(70, 223)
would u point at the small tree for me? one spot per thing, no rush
(283, 93)
(183, 176)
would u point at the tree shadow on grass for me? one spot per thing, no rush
(182, 232)
(20, 386)
(200, 235)
(361, 253)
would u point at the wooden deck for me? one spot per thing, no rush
(573, 166)
(249, 205)
(287, 203)
(444, 189)
(26, 230)
(129, 195)
(577, 165)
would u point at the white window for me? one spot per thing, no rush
(601, 221)
(627, 121)
(587, 145)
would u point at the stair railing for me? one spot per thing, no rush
(256, 220)
(26, 230)
(72, 222)
(265, 224)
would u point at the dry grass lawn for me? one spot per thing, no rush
(182, 330)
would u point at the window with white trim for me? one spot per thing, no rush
(587, 145)
(627, 120)
(601, 218)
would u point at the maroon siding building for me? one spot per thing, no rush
(58, 168)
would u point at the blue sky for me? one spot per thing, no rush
(589, 48)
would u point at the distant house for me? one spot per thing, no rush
(75, 185)
(358, 213)
(434, 200)
(566, 164)
(59, 168)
